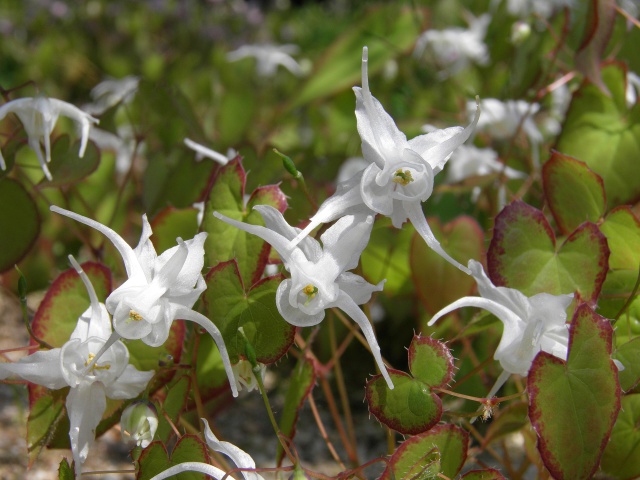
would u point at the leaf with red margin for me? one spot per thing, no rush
(154, 459)
(230, 306)
(488, 474)
(411, 407)
(450, 441)
(437, 282)
(621, 458)
(226, 242)
(301, 383)
(622, 229)
(574, 192)
(573, 404)
(523, 255)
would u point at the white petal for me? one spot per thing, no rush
(191, 467)
(129, 384)
(145, 252)
(292, 315)
(509, 318)
(42, 368)
(345, 240)
(203, 151)
(377, 198)
(346, 304)
(241, 458)
(357, 287)
(85, 406)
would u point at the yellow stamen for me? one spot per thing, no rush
(310, 291)
(403, 178)
(96, 367)
(135, 316)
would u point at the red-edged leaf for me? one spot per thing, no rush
(488, 474)
(574, 404)
(154, 459)
(171, 223)
(523, 255)
(413, 460)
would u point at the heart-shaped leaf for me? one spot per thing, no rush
(66, 166)
(602, 132)
(231, 307)
(523, 255)
(414, 458)
(574, 404)
(575, 193)
(173, 404)
(226, 242)
(301, 383)
(437, 282)
(19, 223)
(154, 459)
(621, 458)
(411, 407)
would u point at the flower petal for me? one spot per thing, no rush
(345, 240)
(241, 458)
(129, 384)
(357, 287)
(42, 368)
(292, 315)
(191, 467)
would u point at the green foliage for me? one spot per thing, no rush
(21, 219)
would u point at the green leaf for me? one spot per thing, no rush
(231, 306)
(226, 242)
(387, 256)
(603, 133)
(210, 373)
(171, 223)
(19, 223)
(47, 420)
(65, 472)
(523, 255)
(450, 441)
(173, 405)
(411, 407)
(437, 282)
(629, 355)
(622, 229)
(621, 458)
(155, 459)
(574, 404)
(302, 381)
(385, 30)
(575, 193)
(66, 167)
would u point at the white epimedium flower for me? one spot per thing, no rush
(531, 324)
(319, 274)
(110, 92)
(159, 290)
(269, 57)
(204, 152)
(112, 376)
(39, 116)
(454, 49)
(245, 376)
(139, 422)
(241, 458)
(400, 172)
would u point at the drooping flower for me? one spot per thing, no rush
(400, 173)
(454, 49)
(139, 422)
(241, 458)
(531, 324)
(245, 376)
(112, 376)
(159, 290)
(268, 57)
(39, 116)
(110, 92)
(319, 274)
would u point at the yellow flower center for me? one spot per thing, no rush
(96, 366)
(134, 316)
(310, 291)
(403, 178)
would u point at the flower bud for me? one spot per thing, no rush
(139, 422)
(520, 31)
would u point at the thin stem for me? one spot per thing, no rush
(323, 432)
(336, 417)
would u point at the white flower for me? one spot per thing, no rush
(241, 458)
(123, 144)
(245, 376)
(531, 324)
(159, 290)
(319, 276)
(268, 57)
(454, 49)
(139, 421)
(400, 173)
(633, 86)
(39, 116)
(202, 152)
(112, 376)
(111, 92)
(542, 8)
